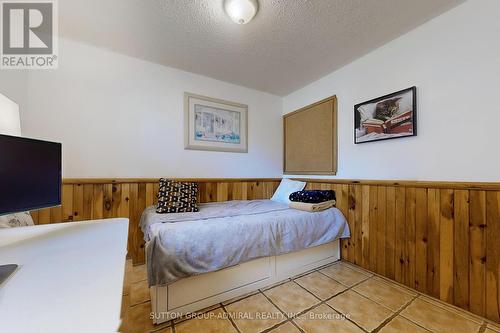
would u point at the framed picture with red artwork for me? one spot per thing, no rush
(391, 116)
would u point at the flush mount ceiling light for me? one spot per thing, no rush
(241, 11)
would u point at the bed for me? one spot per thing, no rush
(227, 249)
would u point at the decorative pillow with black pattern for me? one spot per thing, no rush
(177, 197)
(312, 196)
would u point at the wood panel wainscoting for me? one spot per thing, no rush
(440, 238)
(90, 199)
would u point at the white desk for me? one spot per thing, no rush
(70, 277)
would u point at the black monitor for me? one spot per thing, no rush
(30, 174)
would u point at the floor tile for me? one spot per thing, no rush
(494, 328)
(364, 312)
(165, 330)
(345, 275)
(461, 312)
(235, 299)
(254, 314)
(395, 284)
(323, 319)
(285, 328)
(320, 285)
(138, 273)
(210, 322)
(139, 292)
(295, 277)
(128, 277)
(438, 319)
(389, 295)
(291, 298)
(275, 285)
(207, 309)
(137, 320)
(401, 324)
(356, 267)
(125, 305)
(368, 304)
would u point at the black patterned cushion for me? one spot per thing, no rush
(313, 196)
(177, 197)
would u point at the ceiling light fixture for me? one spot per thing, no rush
(241, 11)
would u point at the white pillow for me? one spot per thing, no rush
(286, 188)
(16, 220)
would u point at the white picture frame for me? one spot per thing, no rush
(215, 124)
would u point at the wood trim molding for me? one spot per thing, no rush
(485, 186)
(70, 181)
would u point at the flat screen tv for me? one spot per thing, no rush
(30, 174)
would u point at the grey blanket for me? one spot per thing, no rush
(225, 234)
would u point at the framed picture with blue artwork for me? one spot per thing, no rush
(215, 124)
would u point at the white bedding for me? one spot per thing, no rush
(225, 234)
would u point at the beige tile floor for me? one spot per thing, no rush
(338, 298)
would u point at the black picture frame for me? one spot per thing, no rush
(357, 116)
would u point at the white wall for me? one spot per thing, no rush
(454, 60)
(122, 117)
(14, 84)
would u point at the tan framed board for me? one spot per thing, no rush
(310, 139)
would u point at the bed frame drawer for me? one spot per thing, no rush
(198, 292)
(192, 289)
(291, 264)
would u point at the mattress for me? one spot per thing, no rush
(225, 234)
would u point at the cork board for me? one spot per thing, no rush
(310, 139)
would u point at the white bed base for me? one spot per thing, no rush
(198, 292)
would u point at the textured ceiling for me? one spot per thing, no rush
(289, 44)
